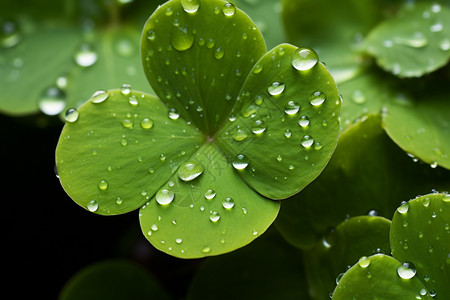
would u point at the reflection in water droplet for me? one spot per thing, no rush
(239, 135)
(364, 262)
(219, 53)
(445, 44)
(173, 114)
(291, 108)
(147, 123)
(190, 6)
(9, 34)
(71, 115)
(304, 59)
(406, 271)
(92, 206)
(125, 89)
(99, 96)
(190, 170)
(358, 97)
(304, 121)
(418, 40)
(53, 101)
(307, 141)
(206, 249)
(182, 39)
(103, 185)
(228, 203)
(258, 126)
(214, 217)
(228, 9)
(403, 209)
(317, 98)
(164, 196)
(276, 88)
(210, 194)
(85, 56)
(240, 162)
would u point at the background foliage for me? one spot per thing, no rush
(393, 145)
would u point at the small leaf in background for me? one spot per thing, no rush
(367, 173)
(113, 280)
(352, 239)
(414, 42)
(421, 127)
(419, 268)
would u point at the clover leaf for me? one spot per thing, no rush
(232, 126)
(420, 266)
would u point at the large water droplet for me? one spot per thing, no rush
(86, 56)
(219, 53)
(99, 96)
(406, 271)
(147, 123)
(53, 101)
(276, 88)
(240, 162)
(445, 44)
(71, 115)
(258, 126)
(418, 40)
(304, 59)
(182, 39)
(210, 194)
(173, 114)
(239, 135)
(291, 108)
(103, 185)
(164, 196)
(307, 141)
(190, 6)
(317, 98)
(228, 203)
(403, 209)
(190, 170)
(125, 89)
(214, 217)
(206, 249)
(364, 262)
(92, 206)
(228, 9)
(304, 121)
(9, 34)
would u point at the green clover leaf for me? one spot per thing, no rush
(232, 129)
(420, 266)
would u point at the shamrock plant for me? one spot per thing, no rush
(420, 263)
(233, 129)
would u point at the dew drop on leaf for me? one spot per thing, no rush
(92, 206)
(364, 262)
(151, 35)
(445, 44)
(182, 40)
(71, 115)
(164, 196)
(239, 135)
(147, 123)
(85, 56)
(240, 162)
(258, 126)
(190, 6)
(317, 98)
(125, 89)
(190, 170)
(178, 240)
(403, 209)
(228, 9)
(406, 271)
(276, 88)
(214, 217)
(9, 34)
(206, 249)
(99, 96)
(103, 185)
(127, 123)
(228, 203)
(173, 114)
(304, 59)
(219, 53)
(291, 108)
(307, 141)
(210, 194)
(304, 121)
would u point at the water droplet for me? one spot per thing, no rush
(182, 40)
(317, 146)
(304, 121)
(364, 262)
(133, 100)
(406, 271)
(210, 194)
(291, 108)
(214, 217)
(85, 56)
(53, 101)
(219, 53)
(125, 89)
(446, 198)
(103, 185)
(92, 206)
(403, 209)
(437, 27)
(164, 196)
(151, 35)
(99, 96)
(178, 241)
(287, 133)
(258, 126)
(307, 141)
(445, 44)
(418, 40)
(276, 88)
(190, 170)
(240, 162)
(147, 123)
(190, 6)
(173, 114)
(9, 34)
(206, 249)
(304, 59)
(358, 97)
(127, 123)
(228, 203)
(228, 9)
(317, 98)
(119, 201)
(71, 115)
(154, 227)
(239, 135)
